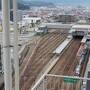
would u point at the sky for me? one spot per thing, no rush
(68, 2)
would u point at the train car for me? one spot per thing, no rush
(42, 29)
(79, 53)
(81, 59)
(77, 70)
(82, 50)
(81, 56)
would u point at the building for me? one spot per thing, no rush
(80, 30)
(35, 20)
(66, 18)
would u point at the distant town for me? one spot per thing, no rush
(49, 12)
(44, 46)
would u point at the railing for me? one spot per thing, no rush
(60, 82)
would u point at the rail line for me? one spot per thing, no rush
(65, 66)
(83, 65)
(29, 51)
(39, 59)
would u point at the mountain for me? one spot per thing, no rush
(38, 3)
(67, 2)
(21, 5)
(24, 4)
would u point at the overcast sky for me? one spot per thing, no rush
(68, 2)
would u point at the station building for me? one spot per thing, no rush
(81, 29)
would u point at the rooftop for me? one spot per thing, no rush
(81, 26)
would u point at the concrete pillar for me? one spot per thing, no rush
(16, 57)
(6, 45)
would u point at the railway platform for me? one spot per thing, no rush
(62, 46)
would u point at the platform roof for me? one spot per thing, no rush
(62, 46)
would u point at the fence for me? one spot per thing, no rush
(60, 82)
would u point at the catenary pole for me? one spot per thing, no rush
(16, 57)
(6, 45)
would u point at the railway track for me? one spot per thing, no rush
(41, 56)
(84, 64)
(40, 42)
(65, 66)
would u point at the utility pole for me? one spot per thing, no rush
(6, 45)
(16, 57)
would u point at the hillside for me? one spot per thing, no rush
(21, 5)
(38, 3)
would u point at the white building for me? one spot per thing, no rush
(81, 30)
(31, 19)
